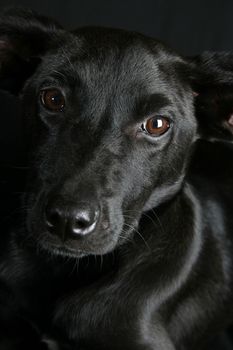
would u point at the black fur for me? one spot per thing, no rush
(156, 272)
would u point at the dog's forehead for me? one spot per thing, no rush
(115, 57)
(96, 63)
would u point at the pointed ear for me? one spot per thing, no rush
(24, 38)
(213, 91)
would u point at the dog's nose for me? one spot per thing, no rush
(70, 220)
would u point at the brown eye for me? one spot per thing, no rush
(53, 100)
(156, 126)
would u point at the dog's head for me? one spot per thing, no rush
(111, 120)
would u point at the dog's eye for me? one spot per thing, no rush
(53, 100)
(156, 126)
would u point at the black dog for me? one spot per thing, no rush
(120, 185)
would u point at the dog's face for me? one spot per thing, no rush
(117, 124)
(112, 122)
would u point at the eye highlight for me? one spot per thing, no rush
(156, 126)
(52, 99)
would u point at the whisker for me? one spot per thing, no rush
(149, 217)
(76, 265)
(140, 235)
(126, 238)
(159, 221)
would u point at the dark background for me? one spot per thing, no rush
(189, 27)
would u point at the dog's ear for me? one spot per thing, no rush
(24, 38)
(213, 91)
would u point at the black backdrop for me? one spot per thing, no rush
(189, 26)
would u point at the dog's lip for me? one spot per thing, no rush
(57, 249)
(55, 246)
(69, 252)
